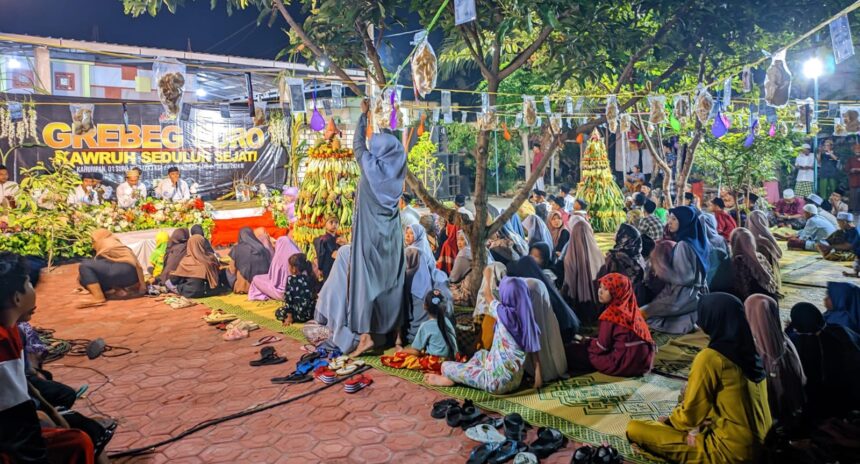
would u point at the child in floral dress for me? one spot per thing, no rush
(500, 370)
(300, 297)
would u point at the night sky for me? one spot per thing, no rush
(206, 28)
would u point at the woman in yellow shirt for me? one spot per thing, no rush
(724, 415)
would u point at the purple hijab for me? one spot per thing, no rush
(271, 286)
(515, 312)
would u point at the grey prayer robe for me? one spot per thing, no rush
(674, 309)
(377, 265)
(553, 361)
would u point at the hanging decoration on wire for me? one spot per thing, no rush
(447, 114)
(657, 107)
(704, 104)
(337, 94)
(746, 79)
(752, 125)
(547, 105)
(840, 38)
(777, 83)
(727, 93)
(424, 66)
(612, 113)
(530, 116)
(568, 108)
(464, 11)
(317, 119)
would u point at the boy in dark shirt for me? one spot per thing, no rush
(326, 246)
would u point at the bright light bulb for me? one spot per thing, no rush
(201, 93)
(14, 63)
(813, 68)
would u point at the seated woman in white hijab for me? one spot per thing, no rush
(681, 269)
(537, 231)
(421, 277)
(461, 277)
(331, 306)
(553, 362)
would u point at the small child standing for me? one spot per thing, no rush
(435, 336)
(300, 297)
(326, 246)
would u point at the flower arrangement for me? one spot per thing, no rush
(275, 205)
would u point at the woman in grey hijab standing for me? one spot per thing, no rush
(377, 264)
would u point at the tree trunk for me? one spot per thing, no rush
(478, 230)
(687, 167)
(524, 137)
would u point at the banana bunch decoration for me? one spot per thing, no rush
(598, 188)
(328, 189)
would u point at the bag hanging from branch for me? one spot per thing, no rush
(447, 114)
(681, 107)
(704, 104)
(777, 82)
(530, 116)
(424, 69)
(746, 79)
(82, 118)
(555, 123)
(850, 117)
(657, 111)
(337, 94)
(170, 82)
(612, 113)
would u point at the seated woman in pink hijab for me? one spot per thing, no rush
(271, 286)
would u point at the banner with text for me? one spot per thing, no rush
(207, 147)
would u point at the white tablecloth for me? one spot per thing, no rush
(142, 243)
(237, 213)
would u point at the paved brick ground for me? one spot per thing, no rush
(181, 373)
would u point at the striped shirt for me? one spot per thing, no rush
(13, 382)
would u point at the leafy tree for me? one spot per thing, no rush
(624, 48)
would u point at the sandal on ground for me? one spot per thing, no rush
(234, 334)
(606, 454)
(109, 426)
(515, 427)
(507, 451)
(346, 370)
(526, 458)
(582, 455)
(325, 375)
(484, 433)
(357, 383)
(549, 441)
(311, 365)
(268, 356)
(481, 453)
(293, 378)
(470, 415)
(440, 408)
(218, 317)
(266, 340)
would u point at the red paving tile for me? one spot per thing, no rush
(180, 373)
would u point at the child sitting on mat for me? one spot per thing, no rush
(300, 297)
(434, 342)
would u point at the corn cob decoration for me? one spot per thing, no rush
(328, 188)
(598, 188)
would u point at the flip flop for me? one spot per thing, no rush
(292, 379)
(357, 383)
(484, 433)
(80, 392)
(440, 408)
(346, 370)
(481, 453)
(506, 452)
(235, 334)
(267, 339)
(268, 356)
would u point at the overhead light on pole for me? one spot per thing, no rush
(13, 63)
(813, 68)
(201, 93)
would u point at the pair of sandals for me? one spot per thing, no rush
(302, 372)
(342, 365)
(218, 316)
(457, 415)
(604, 454)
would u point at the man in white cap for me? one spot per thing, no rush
(839, 246)
(816, 229)
(818, 201)
(789, 211)
(131, 191)
(805, 165)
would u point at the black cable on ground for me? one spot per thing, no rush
(218, 420)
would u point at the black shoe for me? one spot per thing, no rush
(515, 427)
(606, 455)
(440, 408)
(582, 455)
(470, 415)
(548, 442)
(507, 451)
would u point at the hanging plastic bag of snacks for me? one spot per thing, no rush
(612, 113)
(682, 107)
(447, 114)
(487, 121)
(657, 109)
(555, 123)
(530, 116)
(777, 82)
(170, 82)
(850, 118)
(624, 123)
(424, 69)
(704, 104)
(82, 118)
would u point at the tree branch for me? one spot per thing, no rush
(433, 204)
(479, 59)
(649, 44)
(316, 50)
(378, 73)
(524, 55)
